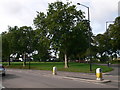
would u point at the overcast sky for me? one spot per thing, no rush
(22, 12)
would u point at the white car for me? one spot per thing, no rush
(2, 70)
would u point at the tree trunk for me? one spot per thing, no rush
(79, 60)
(66, 61)
(8, 61)
(24, 61)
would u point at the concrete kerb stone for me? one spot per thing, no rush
(78, 79)
(97, 81)
(103, 81)
(88, 78)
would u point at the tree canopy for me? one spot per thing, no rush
(64, 31)
(67, 28)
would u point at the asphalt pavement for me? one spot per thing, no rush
(115, 71)
(17, 78)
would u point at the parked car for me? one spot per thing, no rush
(2, 70)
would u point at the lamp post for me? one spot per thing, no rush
(108, 36)
(107, 23)
(29, 60)
(87, 8)
(89, 32)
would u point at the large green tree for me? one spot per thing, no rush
(114, 36)
(17, 41)
(101, 45)
(42, 45)
(6, 50)
(65, 27)
(26, 41)
(108, 44)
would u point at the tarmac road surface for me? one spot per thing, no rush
(16, 78)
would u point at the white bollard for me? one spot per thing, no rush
(54, 70)
(99, 74)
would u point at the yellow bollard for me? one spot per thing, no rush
(54, 70)
(99, 74)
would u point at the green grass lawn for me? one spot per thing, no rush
(73, 67)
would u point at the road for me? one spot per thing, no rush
(116, 68)
(17, 78)
(114, 75)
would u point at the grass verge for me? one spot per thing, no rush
(73, 67)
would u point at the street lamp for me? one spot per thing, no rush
(89, 32)
(108, 35)
(87, 8)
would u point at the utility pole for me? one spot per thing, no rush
(89, 33)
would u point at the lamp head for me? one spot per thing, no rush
(78, 3)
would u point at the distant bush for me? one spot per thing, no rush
(115, 62)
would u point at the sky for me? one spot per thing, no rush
(22, 12)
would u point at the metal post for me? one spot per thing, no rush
(29, 63)
(107, 42)
(89, 33)
(99, 74)
(107, 37)
(54, 70)
(89, 40)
